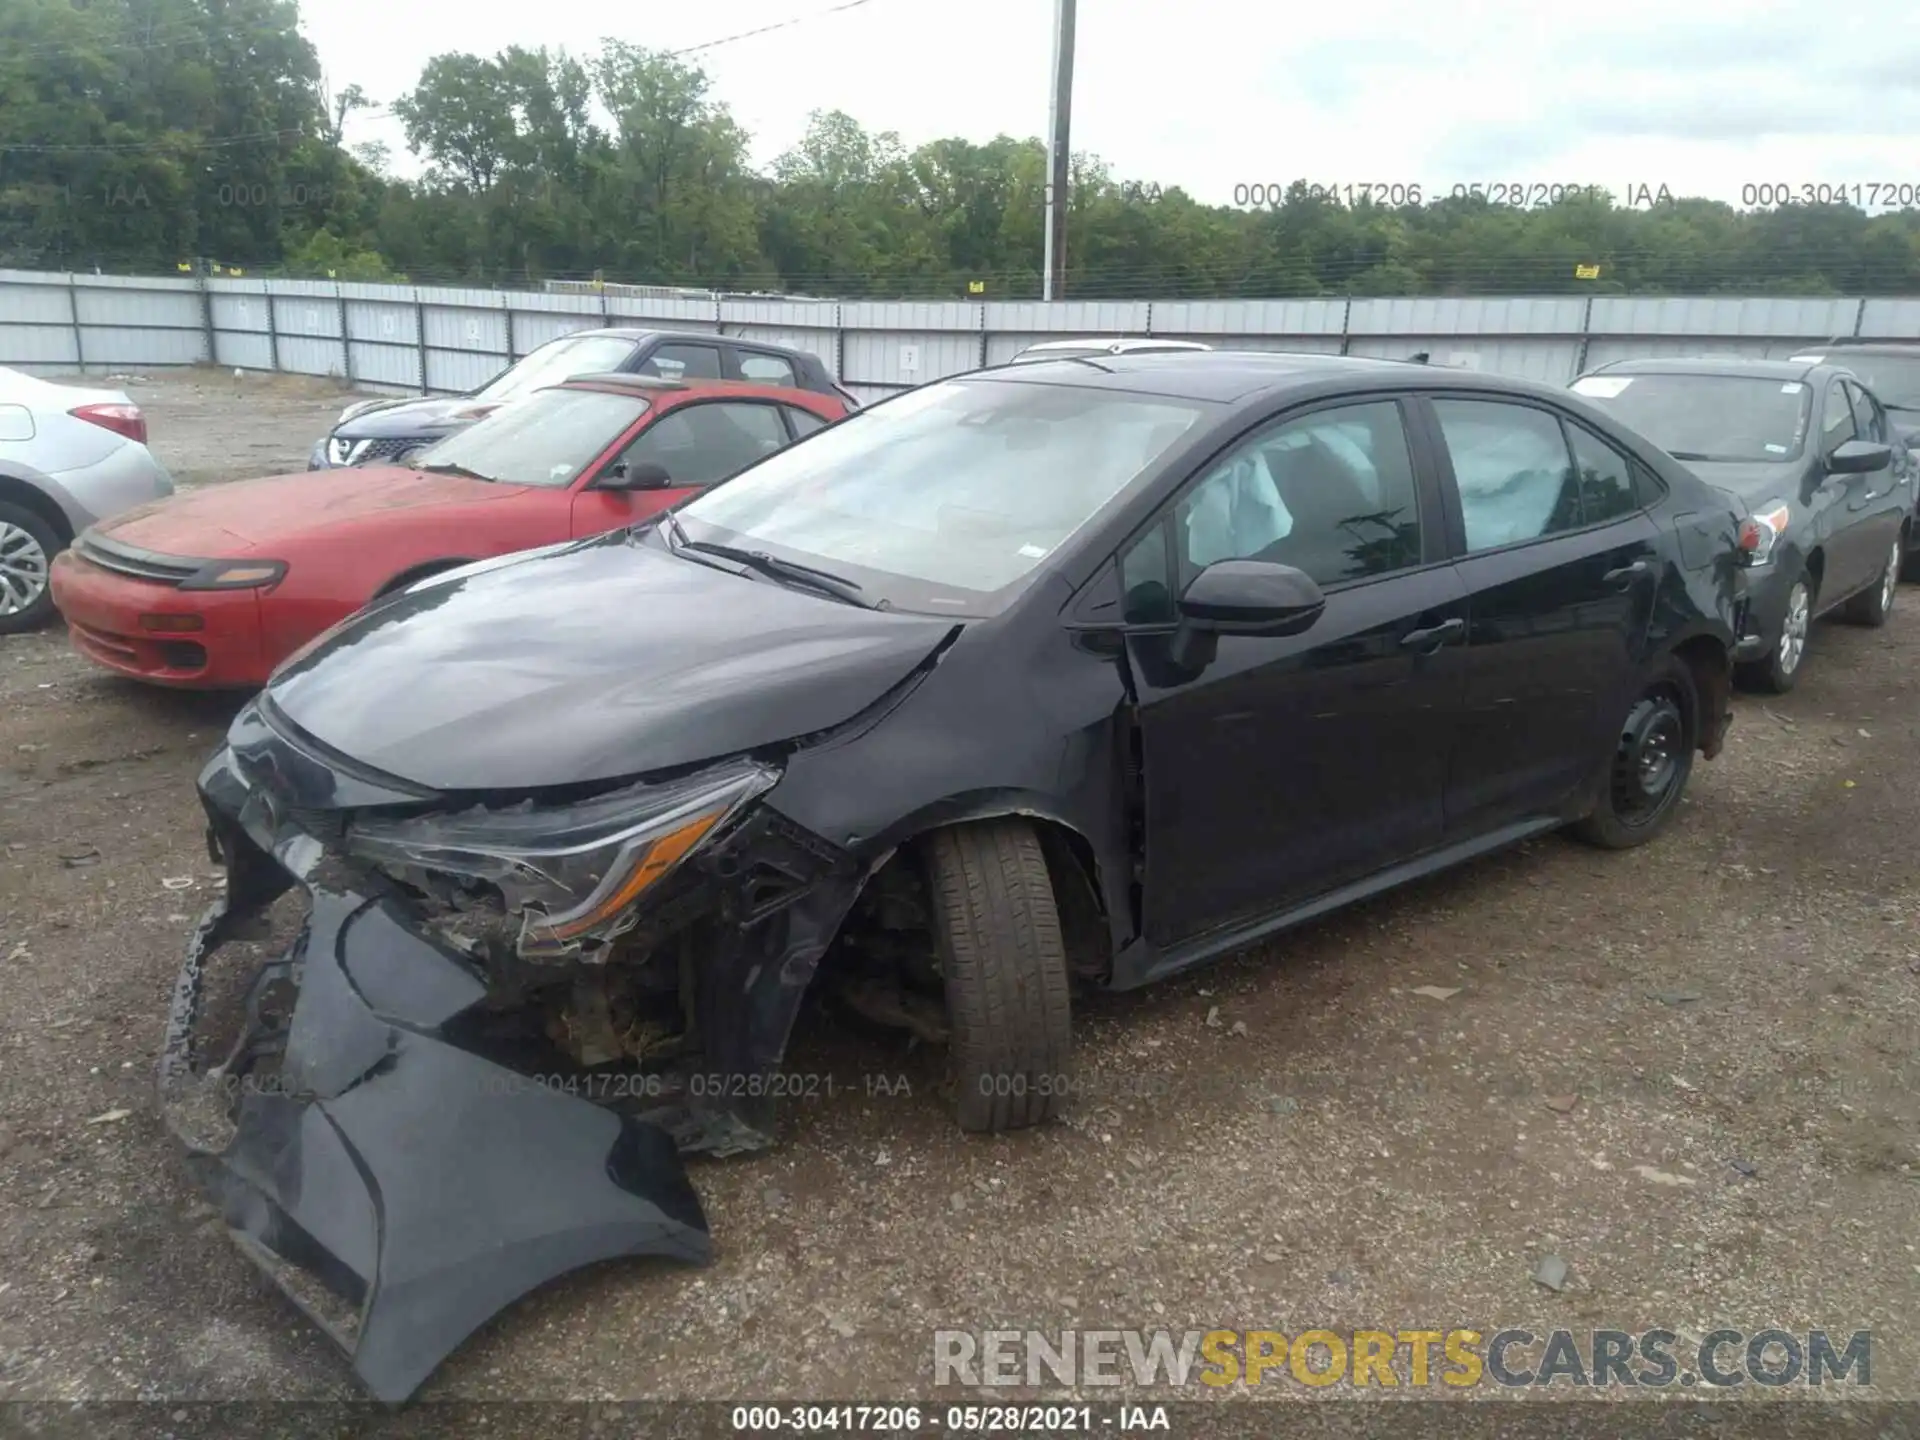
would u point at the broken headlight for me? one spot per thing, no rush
(569, 873)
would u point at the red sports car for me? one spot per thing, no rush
(212, 589)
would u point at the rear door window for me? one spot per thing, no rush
(1605, 478)
(804, 422)
(1514, 473)
(679, 361)
(765, 369)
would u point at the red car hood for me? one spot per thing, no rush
(260, 513)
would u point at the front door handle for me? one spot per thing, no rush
(1626, 574)
(1431, 639)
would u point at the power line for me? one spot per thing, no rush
(790, 21)
(369, 113)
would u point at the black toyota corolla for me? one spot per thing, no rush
(1078, 673)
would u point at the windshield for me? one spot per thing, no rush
(559, 360)
(946, 498)
(1708, 417)
(1893, 379)
(546, 440)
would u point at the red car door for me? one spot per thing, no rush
(698, 442)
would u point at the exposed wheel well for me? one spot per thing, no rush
(1706, 660)
(418, 572)
(1816, 569)
(1076, 889)
(886, 943)
(18, 492)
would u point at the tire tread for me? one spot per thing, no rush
(1004, 958)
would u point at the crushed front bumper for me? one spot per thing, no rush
(400, 1186)
(400, 1189)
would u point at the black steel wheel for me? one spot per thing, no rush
(1652, 759)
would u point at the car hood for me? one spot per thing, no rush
(220, 520)
(1752, 482)
(590, 662)
(390, 419)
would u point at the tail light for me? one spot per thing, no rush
(121, 419)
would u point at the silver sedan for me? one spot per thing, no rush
(69, 455)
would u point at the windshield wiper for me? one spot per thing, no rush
(678, 543)
(1688, 455)
(442, 468)
(837, 586)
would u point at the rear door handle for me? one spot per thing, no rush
(1626, 574)
(1431, 639)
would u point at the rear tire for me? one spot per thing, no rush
(27, 547)
(1780, 671)
(1003, 960)
(1872, 606)
(1641, 785)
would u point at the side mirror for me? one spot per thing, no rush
(644, 476)
(1856, 457)
(1252, 597)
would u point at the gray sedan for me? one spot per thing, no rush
(68, 456)
(1807, 449)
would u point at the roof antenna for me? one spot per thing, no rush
(1419, 358)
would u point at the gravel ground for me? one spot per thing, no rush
(1688, 1070)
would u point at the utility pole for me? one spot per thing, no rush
(1058, 152)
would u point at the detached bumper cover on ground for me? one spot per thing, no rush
(399, 1188)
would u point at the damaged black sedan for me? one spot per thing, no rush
(1078, 673)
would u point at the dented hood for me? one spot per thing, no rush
(592, 662)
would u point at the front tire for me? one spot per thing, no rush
(1780, 671)
(27, 547)
(1004, 963)
(1872, 606)
(1640, 788)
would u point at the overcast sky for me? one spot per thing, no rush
(1701, 96)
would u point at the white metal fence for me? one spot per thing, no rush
(438, 339)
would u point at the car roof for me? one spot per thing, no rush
(1854, 342)
(1863, 347)
(1113, 344)
(657, 384)
(1228, 376)
(638, 333)
(1731, 366)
